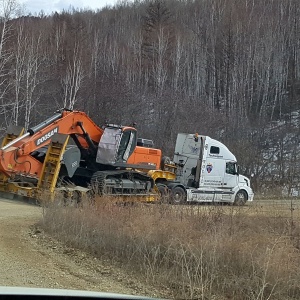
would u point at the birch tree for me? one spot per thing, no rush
(158, 40)
(8, 10)
(73, 79)
(33, 79)
(19, 72)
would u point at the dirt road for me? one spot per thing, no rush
(30, 258)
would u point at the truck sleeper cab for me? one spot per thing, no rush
(207, 172)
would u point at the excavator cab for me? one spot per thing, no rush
(116, 145)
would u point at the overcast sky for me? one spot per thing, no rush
(35, 6)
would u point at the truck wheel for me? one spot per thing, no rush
(240, 198)
(178, 195)
(163, 193)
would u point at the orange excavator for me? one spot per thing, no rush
(68, 151)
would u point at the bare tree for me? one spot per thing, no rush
(158, 40)
(34, 62)
(73, 79)
(19, 72)
(8, 10)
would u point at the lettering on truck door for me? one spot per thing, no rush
(213, 173)
(214, 168)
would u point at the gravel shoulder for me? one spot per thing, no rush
(29, 258)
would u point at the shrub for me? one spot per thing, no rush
(207, 252)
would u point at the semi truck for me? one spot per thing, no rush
(206, 171)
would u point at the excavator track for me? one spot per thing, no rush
(122, 183)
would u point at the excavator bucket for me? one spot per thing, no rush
(12, 133)
(48, 179)
(52, 162)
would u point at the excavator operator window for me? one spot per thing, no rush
(116, 145)
(108, 146)
(127, 145)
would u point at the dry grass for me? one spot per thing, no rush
(197, 252)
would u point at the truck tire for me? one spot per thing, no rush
(164, 196)
(178, 195)
(241, 198)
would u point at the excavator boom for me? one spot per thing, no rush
(15, 156)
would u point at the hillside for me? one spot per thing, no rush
(224, 68)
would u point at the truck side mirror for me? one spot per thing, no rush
(238, 170)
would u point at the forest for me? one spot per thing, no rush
(228, 69)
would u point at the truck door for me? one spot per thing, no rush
(231, 175)
(230, 179)
(214, 168)
(212, 174)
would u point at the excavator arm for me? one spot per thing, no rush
(15, 156)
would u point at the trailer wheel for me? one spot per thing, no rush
(178, 195)
(241, 198)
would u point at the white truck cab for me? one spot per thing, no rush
(207, 172)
